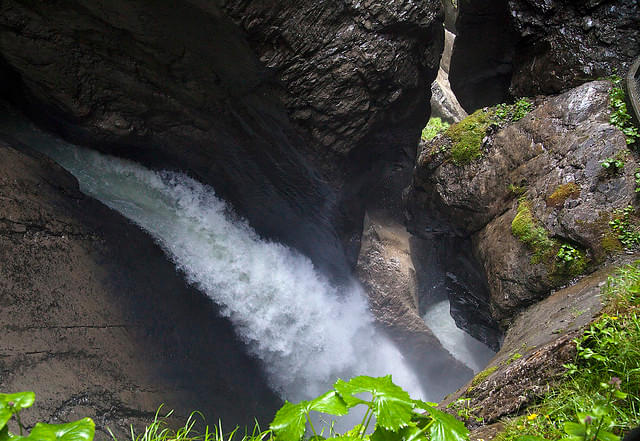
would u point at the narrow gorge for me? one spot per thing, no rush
(227, 205)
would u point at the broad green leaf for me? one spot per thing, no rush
(19, 401)
(290, 421)
(574, 429)
(392, 406)
(330, 403)
(445, 427)
(409, 433)
(382, 434)
(530, 438)
(604, 435)
(4, 434)
(81, 430)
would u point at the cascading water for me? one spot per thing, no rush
(306, 332)
(473, 353)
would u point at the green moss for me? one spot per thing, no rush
(563, 192)
(467, 135)
(610, 243)
(434, 127)
(518, 190)
(525, 228)
(481, 376)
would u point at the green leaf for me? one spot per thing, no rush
(330, 403)
(19, 401)
(4, 434)
(392, 406)
(574, 429)
(290, 421)
(445, 427)
(409, 433)
(619, 394)
(603, 435)
(81, 430)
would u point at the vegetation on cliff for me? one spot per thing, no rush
(599, 391)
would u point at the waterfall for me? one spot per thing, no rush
(473, 353)
(306, 331)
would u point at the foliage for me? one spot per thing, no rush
(563, 192)
(620, 117)
(570, 261)
(607, 358)
(525, 228)
(467, 136)
(434, 127)
(159, 430)
(624, 228)
(636, 178)
(463, 409)
(513, 112)
(12, 404)
(612, 165)
(518, 190)
(397, 416)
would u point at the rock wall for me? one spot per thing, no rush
(278, 113)
(546, 169)
(97, 321)
(531, 47)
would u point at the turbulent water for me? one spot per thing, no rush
(306, 332)
(473, 353)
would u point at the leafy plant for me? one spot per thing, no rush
(625, 230)
(620, 117)
(434, 127)
(567, 254)
(513, 112)
(636, 177)
(397, 416)
(612, 165)
(464, 410)
(12, 404)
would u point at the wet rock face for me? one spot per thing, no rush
(96, 320)
(389, 279)
(348, 66)
(530, 47)
(564, 43)
(481, 63)
(549, 162)
(536, 346)
(271, 112)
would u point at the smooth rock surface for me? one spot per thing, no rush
(98, 322)
(388, 277)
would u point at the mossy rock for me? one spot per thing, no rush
(481, 376)
(467, 136)
(563, 192)
(526, 229)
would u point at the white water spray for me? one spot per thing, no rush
(473, 353)
(290, 316)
